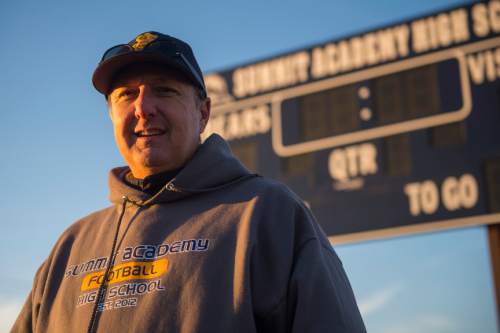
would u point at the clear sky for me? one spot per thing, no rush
(58, 143)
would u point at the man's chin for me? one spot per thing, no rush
(152, 163)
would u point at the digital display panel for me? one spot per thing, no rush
(402, 96)
(316, 119)
(407, 95)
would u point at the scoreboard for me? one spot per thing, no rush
(389, 132)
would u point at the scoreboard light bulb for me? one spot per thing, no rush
(364, 93)
(365, 114)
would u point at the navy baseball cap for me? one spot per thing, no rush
(152, 47)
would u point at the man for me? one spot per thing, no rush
(193, 241)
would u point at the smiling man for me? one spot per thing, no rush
(193, 242)
(157, 118)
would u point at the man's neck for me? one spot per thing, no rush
(150, 184)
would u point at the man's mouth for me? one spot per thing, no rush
(149, 133)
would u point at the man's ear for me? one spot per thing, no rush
(205, 106)
(108, 105)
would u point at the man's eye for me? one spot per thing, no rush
(165, 91)
(121, 95)
(125, 93)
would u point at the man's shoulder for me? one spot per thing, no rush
(89, 221)
(82, 231)
(267, 196)
(271, 189)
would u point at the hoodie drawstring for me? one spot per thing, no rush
(102, 288)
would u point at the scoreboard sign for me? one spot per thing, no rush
(390, 132)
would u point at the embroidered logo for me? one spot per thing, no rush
(142, 271)
(143, 40)
(125, 272)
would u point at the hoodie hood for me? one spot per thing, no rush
(212, 167)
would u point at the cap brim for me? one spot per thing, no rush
(106, 71)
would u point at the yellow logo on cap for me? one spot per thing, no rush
(143, 40)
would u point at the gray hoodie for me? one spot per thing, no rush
(216, 250)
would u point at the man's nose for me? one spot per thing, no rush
(144, 104)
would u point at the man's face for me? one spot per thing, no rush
(157, 118)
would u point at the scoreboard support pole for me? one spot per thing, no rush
(494, 242)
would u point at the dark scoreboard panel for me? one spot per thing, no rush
(390, 132)
(390, 99)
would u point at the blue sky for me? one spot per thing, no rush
(58, 143)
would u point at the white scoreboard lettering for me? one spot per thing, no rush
(353, 161)
(456, 193)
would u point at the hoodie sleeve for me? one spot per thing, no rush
(299, 283)
(26, 321)
(320, 298)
